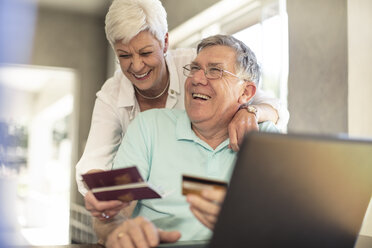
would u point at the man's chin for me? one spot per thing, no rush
(197, 120)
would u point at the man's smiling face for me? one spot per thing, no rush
(213, 100)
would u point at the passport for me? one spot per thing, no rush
(124, 185)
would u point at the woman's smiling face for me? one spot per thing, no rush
(142, 61)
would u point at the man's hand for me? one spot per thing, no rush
(207, 206)
(103, 210)
(242, 123)
(139, 232)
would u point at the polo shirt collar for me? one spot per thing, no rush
(185, 132)
(183, 128)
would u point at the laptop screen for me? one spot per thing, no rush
(296, 191)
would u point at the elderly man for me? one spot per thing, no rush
(166, 143)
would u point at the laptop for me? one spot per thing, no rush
(295, 191)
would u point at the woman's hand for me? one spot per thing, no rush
(103, 210)
(242, 123)
(206, 207)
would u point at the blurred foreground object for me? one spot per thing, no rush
(17, 23)
(17, 19)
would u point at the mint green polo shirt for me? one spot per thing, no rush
(161, 143)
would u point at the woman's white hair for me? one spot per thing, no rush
(126, 18)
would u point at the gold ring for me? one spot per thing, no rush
(120, 235)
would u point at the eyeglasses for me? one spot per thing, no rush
(210, 73)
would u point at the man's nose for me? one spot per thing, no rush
(199, 77)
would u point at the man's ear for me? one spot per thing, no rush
(166, 43)
(249, 91)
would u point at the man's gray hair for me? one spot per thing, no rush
(246, 64)
(126, 18)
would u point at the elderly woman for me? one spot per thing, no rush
(150, 76)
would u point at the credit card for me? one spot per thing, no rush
(194, 185)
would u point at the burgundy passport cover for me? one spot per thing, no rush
(126, 195)
(125, 177)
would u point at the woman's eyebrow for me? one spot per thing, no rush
(122, 51)
(145, 47)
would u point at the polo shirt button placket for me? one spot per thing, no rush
(211, 166)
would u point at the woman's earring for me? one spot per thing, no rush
(165, 54)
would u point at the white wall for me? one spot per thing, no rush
(360, 72)
(360, 77)
(317, 79)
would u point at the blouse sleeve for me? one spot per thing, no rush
(103, 141)
(262, 97)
